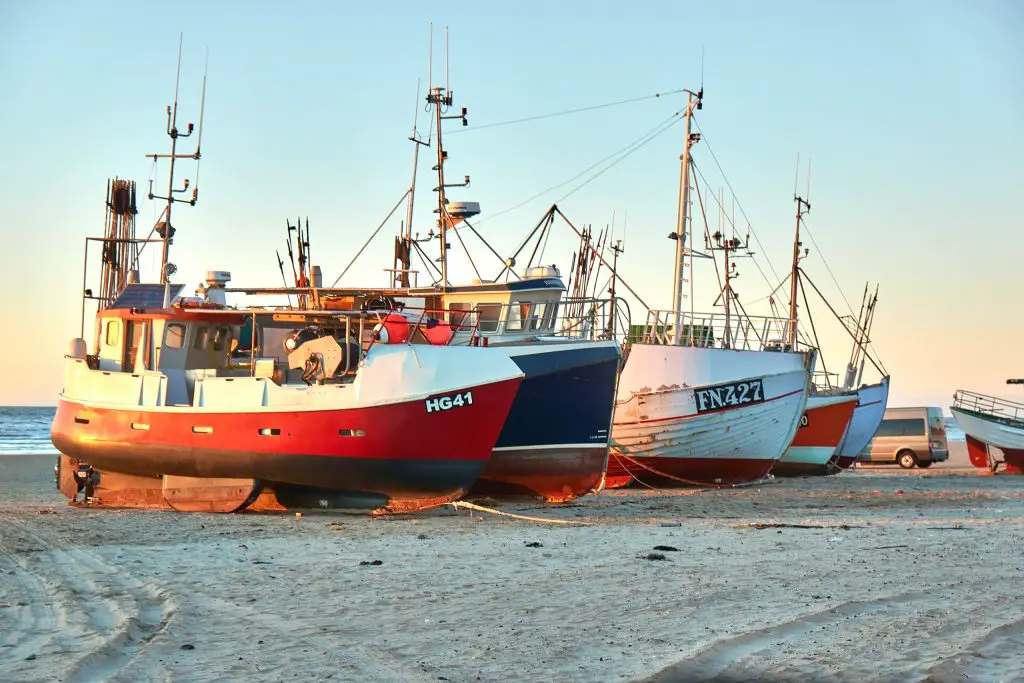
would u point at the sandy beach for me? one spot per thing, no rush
(897, 577)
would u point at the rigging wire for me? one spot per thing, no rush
(717, 201)
(807, 229)
(760, 246)
(625, 151)
(568, 111)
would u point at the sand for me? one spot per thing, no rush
(914, 577)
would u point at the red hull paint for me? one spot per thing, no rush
(685, 471)
(557, 475)
(825, 426)
(978, 451)
(395, 449)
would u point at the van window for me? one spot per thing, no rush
(202, 333)
(174, 338)
(518, 314)
(489, 314)
(904, 427)
(113, 336)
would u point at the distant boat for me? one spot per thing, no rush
(989, 422)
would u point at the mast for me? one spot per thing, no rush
(164, 228)
(441, 99)
(693, 101)
(794, 284)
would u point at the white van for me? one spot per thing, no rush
(908, 437)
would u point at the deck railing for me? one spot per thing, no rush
(989, 405)
(714, 330)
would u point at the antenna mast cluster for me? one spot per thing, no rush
(163, 227)
(441, 100)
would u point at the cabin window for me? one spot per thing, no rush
(489, 315)
(901, 427)
(113, 333)
(457, 314)
(222, 338)
(550, 315)
(518, 314)
(202, 335)
(537, 319)
(174, 338)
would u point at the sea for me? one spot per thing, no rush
(25, 430)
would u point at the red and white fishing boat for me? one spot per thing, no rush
(990, 422)
(829, 411)
(176, 409)
(824, 422)
(705, 399)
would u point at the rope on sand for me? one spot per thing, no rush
(461, 504)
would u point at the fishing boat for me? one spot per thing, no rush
(554, 444)
(867, 416)
(188, 404)
(829, 411)
(822, 426)
(990, 422)
(872, 399)
(705, 399)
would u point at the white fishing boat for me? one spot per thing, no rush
(990, 422)
(705, 398)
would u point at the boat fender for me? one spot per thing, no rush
(437, 332)
(393, 329)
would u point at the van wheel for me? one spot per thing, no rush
(925, 464)
(906, 459)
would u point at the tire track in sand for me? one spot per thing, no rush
(714, 660)
(103, 617)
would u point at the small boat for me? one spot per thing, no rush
(991, 422)
(824, 422)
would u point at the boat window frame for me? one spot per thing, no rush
(112, 329)
(201, 340)
(551, 315)
(538, 315)
(484, 322)
(221, 338)
(457, 314)
(169, 337)
(520, 322)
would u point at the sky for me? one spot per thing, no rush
(909, 112)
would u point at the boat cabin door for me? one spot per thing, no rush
(137, 351)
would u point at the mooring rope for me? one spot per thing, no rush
(461, 504)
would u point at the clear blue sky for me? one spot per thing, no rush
(912, 114)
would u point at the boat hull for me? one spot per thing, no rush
(867, 416)
(983, 430)
(678, 435)
(418, 424)
(554, 444)
(822, 426)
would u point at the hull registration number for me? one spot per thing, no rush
(729, 395)
(443, 403)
